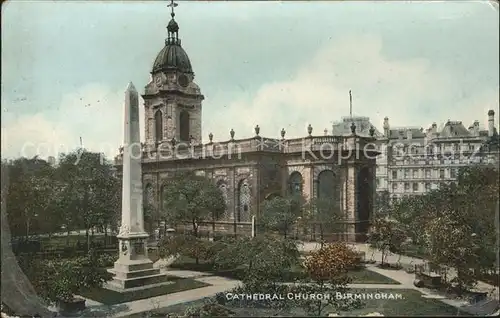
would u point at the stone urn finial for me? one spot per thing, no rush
(283, 132)
(257, 130)
(232, 133)
(309, 130)
(210, 137)
(353, 128)
(326, 132)
(372, 131)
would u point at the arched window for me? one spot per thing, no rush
(158, 126)
(326, 184)
(223, 189)
(295, 183)
(244, 201)
(184, 126)
(148, 200)
(162, 196)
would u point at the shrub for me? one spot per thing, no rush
(331, 261)
(60, 280)
(188, 246)
(210, 309)
(106, 260)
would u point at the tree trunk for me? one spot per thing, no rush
(321, 235)
(105, 236)
(27, 229)
(195, 233)
(318, 313)
(88, 239)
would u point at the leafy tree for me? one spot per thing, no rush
(266, 260)
(189, 246)
(280, 214)
(59, 280)
(30, 196)
(192, 199)
(386, 235)
(325, 213)
(90, 192)
(382, 203)
(326, 271)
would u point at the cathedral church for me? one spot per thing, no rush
(247, 171)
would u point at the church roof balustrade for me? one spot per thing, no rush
(166, 151)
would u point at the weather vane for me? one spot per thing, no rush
(172, 5)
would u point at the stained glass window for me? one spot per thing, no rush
(223, 189)
(326, 184)
(296, 183)
(244, 202)
(148, 193)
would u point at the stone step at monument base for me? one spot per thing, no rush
(112, 285)
(142, 281)
(135, 273)
(132, 265)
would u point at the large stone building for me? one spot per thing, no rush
(413, 161)
(247, 171)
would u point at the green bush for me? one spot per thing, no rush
(188, 246)
(106, 260)
(209, 309)
(60, 280)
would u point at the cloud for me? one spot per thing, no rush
(93, 112)
(411, 92)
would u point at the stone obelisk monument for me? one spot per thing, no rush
(133, 268)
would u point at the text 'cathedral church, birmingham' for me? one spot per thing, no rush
(247, 171)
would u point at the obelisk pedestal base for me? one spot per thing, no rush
(133, 268)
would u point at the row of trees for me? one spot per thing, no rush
(192, 199)
(80, 192)
(455, 225)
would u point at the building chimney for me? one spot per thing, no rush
(386, 127)
(408, 134)
(491, 122)
(476, 128)
(434, 128)
(471, 129)
(51, 160)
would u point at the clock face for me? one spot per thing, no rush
(183, 80)
(158, 80)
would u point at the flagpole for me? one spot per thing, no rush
(350, 103)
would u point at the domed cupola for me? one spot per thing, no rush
(172, 56)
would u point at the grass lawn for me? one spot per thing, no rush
(109, 297)
(412, 304)
(361, 276)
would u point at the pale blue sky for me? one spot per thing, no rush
(277, 64)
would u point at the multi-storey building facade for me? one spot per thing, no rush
(414, 161)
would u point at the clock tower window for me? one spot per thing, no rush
(158, 126)
(184, 126)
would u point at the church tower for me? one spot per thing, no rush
(172, 100)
